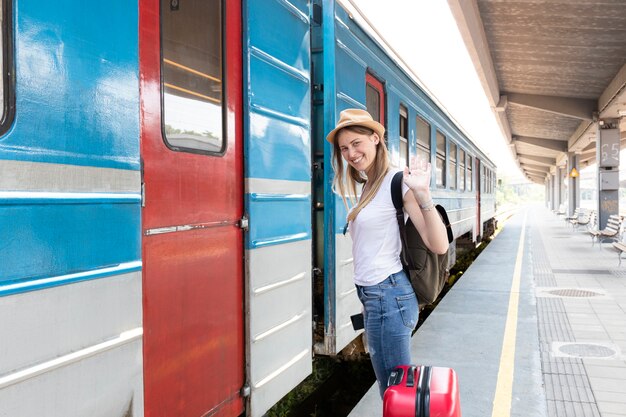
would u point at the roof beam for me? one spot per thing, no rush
(615, 86)
(538, 159)
(536, 178)
(555, 145)
(534, 172)
(472, 31)
(578, 108)
(588, 152)
(532, 167)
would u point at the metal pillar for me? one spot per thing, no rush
(553, 192)
(562, 196)
(558, 192)
(607, 155)
(573, 183)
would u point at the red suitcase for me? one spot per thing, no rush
(424, 391)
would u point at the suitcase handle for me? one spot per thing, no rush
(395, 377)
(422, 394)
(410, 377)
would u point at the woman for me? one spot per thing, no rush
(389, 303)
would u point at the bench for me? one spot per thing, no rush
(621, 248)
(610, 232)
(560, 211)
(574, 216)
(586, 219)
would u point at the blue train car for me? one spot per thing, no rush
(169, 240)
(352, 70)
(70, 206)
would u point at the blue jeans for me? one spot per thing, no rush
(390, 313)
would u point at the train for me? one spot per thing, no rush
(170, 243)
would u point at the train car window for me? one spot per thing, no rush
(2, 59)
(453, 148)
(192, 79)
(6, 58)
(372, 99)
(470, 177)
(375, 98)
(482, 179)
(440, 165)
(486, 181)
(422, 132)
(404, 136)
(461, 170)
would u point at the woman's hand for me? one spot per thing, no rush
(417, 178)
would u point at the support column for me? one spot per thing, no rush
(573, 182)
(549, 191)
(558, 191)
(553, 192)
(607, 155)
(547, 185)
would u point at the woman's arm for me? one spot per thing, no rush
(418, 204)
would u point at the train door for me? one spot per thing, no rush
(478, 183)
(190, 74)
(277, 139)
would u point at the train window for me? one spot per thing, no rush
(404, 136)
(470, 177)
(192, 80)
(461, 170)
(375, 98)
(423, 139)
(452, 166)
(6, 87)
(441, 160)
(372, 102)
(484, 181)
(483, 176)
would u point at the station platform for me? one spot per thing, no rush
(535, 327)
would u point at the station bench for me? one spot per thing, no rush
(587, 218)
(621, 248)
(610, 232)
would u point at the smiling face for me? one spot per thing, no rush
(358, 149)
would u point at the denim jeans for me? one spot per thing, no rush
(390, 313)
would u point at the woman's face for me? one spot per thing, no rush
(358, 149)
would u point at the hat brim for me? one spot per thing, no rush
(370, 124)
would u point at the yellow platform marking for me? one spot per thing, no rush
(504, 386)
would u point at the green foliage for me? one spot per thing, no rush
(514, 194)
(323, 368)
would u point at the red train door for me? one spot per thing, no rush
(190, 75)
(478, 183)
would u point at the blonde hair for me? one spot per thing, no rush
(348, 182)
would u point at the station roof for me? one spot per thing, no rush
(551, 70)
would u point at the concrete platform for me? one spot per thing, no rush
(536, 326)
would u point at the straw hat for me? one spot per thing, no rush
(356, 117)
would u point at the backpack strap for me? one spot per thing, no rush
(446, 222)
(396, 191)
(396, 197)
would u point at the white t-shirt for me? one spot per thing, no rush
(376, 244)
